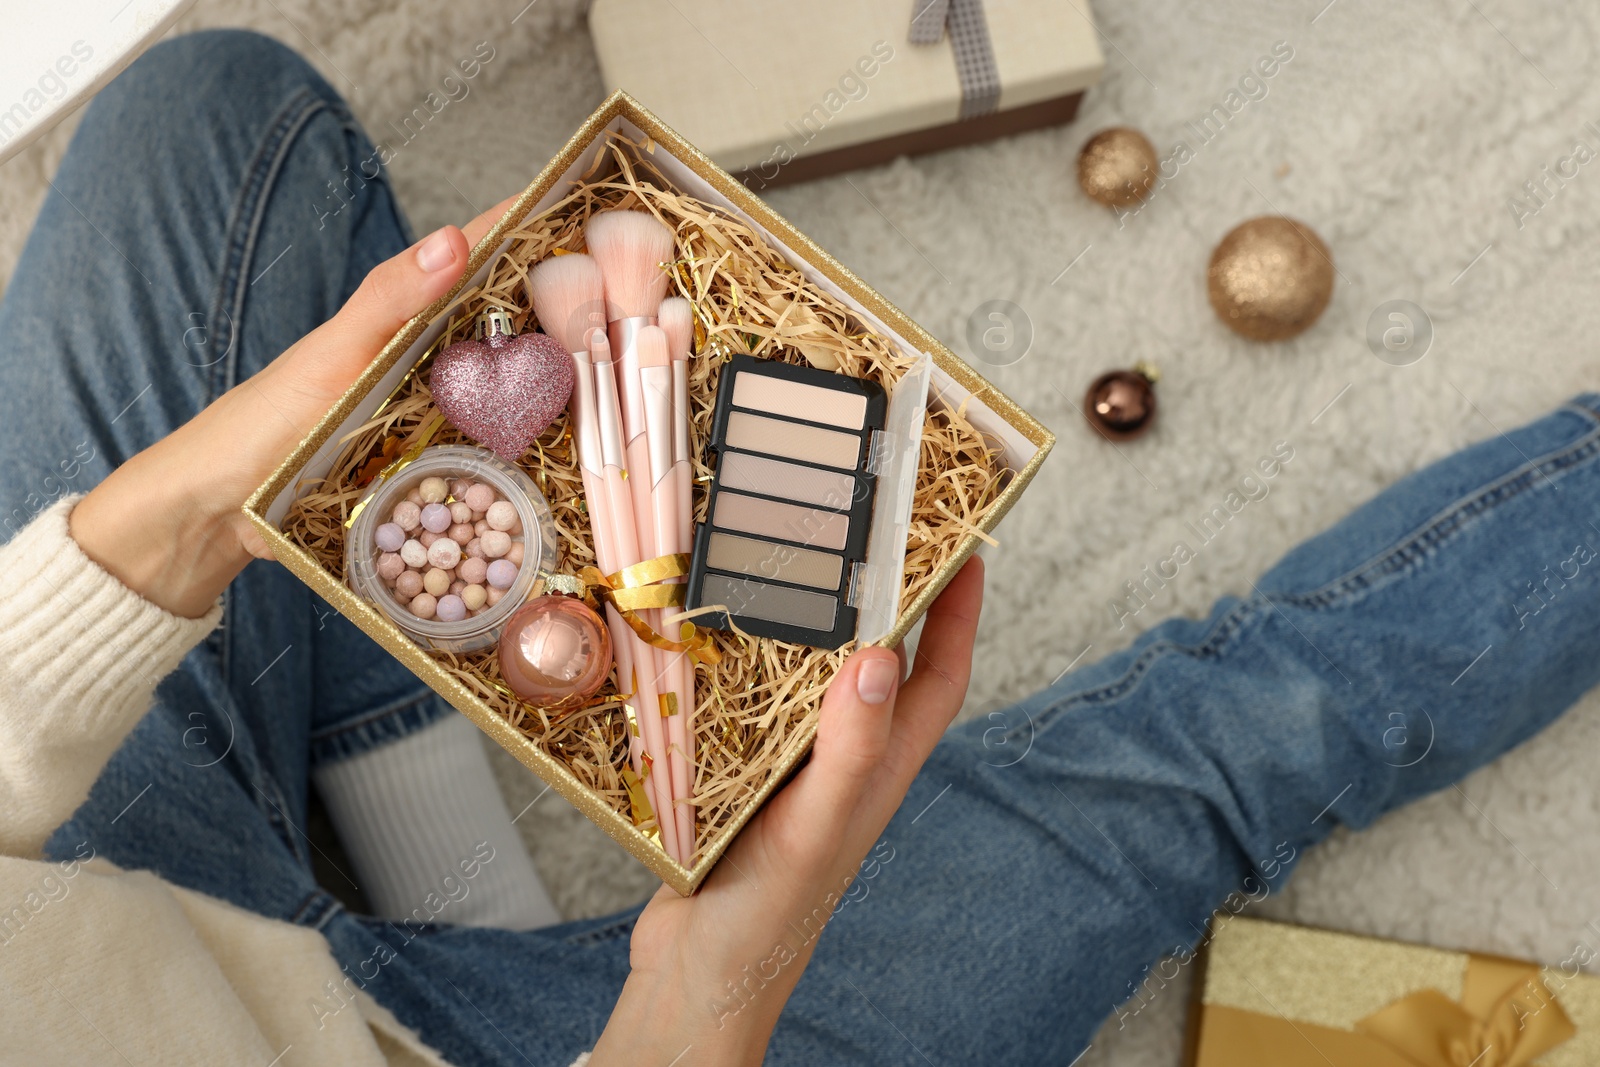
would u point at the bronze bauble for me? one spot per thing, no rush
(1121, 404)
(1117, 167)
(1270, 278)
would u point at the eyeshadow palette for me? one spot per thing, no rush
(790, 514)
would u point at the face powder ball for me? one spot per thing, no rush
(460, 512)
(436, 581)
(408, 585)
(450, 609)
(423, 605)
(474, 597)
(433, 490)
(414, 552)
(502, 515)
(473, 570)
(444, 554)
(389, 537)
(479, 497)
(514, 553)
(435, 517)
(461, 533)
(502, 573)
(496, 543)
(407, 516)
(459, 487)
(390, 566)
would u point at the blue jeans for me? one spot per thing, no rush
(213, 208)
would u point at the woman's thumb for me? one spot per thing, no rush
(398, 288)
(322, 364)
(854, 727)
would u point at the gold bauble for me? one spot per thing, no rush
(1270, 278)
(1117, 167)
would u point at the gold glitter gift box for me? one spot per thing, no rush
(1019, 442)
(1276, 995)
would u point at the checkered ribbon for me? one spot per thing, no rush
(969, 37)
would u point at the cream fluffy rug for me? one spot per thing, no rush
(1399, 134)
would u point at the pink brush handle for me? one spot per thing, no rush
(662, 666)
(586, 439)
(647, 688)
(656, 385)
(622, 638)
(624, 539)
(680, 483)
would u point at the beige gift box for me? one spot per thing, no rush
(778, 93)
(1023, 441)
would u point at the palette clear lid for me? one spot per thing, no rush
(895, 453)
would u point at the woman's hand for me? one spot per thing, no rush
(757, 914)
(169, 521)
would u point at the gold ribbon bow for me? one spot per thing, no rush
(1506, 1017)
(642, 587)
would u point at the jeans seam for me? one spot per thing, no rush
(1215, 642)
(247, 218)
(1422, 544)
(367, 718)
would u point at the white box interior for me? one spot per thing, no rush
(944, 390)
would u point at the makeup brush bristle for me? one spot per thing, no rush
(631, 248)
(677, 322)
(652, 346)
(568, 296)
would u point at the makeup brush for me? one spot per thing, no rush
(568, 297)
(631, 248)
(677, 322)
(653, 472)
(619, 505)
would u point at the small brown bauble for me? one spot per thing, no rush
(1270, 278)
(1121, 404)
(1117, 167)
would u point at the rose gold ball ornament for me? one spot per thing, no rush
(1270, 278)
(1121, 404)
(1117, 167)
(555, 650)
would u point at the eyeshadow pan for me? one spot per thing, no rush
(797, 400)
(783, 563)
(770, 603)
(793, 440)
(779, 521)
(773, 477)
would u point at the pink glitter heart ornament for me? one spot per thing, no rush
(505, 390)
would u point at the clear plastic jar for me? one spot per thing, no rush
(451, 462)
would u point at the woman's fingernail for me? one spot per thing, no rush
(875, 679)
(434, 253)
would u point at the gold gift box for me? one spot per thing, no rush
(1024, 441)
(1276, 995)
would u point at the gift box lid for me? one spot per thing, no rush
(753, 84)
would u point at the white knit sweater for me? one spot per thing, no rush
(101, 965)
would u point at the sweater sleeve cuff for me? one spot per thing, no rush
(77, 636)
